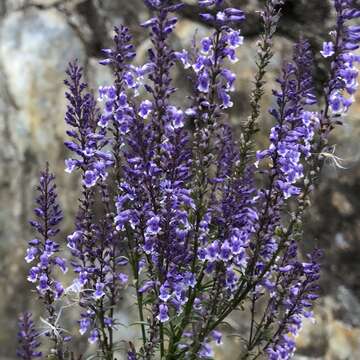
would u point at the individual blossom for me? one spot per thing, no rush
(328, 49)
(206, 352)
(145, 108)
(163, 313)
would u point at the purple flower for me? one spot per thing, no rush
(88, 126)
(94, 336)
(90, 178)
(122, 40)
(183, 56)
(328, 49)
(291, 138)
(131, 355)
(204, 82)
(71, 165)
(343, 68)
(300, 279)
(153, 225)
(235, 15)
(234, 39)
(206, 352)
(145, 108)
(205, 3)
(28, 338)
(99, 292)
(163, 315)
(229, 78)
(165, 292)
(59, 290)
(224, 17)
(43, 249)
(217, 336)
(225, 251)
(33, 274)
(206, 45)
(84, 325)
(31, 254)
(190, 279)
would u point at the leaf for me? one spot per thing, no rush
(139, 323)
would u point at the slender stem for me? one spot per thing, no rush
(162, 345)
(140, 307)
(253, 302)
(270, 20)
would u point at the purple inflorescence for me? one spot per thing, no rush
(28, 338)
(96, 257)
(343, 78)
(44, 250)
(292, 136)
(87, 138)
(292, 294)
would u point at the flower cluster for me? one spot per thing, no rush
(87, 139)
(96, 256)
(291, 138)
(207, 65)
(344, 74)
(174, 207)
(290, 307)
(44, 250)
(154, 198)
(28, 338)
(115, 109)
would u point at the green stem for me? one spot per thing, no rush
(139, 297)
(162, 345)
(141, 312)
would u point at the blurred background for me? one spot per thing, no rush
(37, 40)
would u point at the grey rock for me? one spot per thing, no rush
(35, 47)
(348, 307)
(33, 58)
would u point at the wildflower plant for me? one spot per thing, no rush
(175, 208)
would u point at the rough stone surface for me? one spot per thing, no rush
(33, 58)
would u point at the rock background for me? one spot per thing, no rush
(38, 38)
